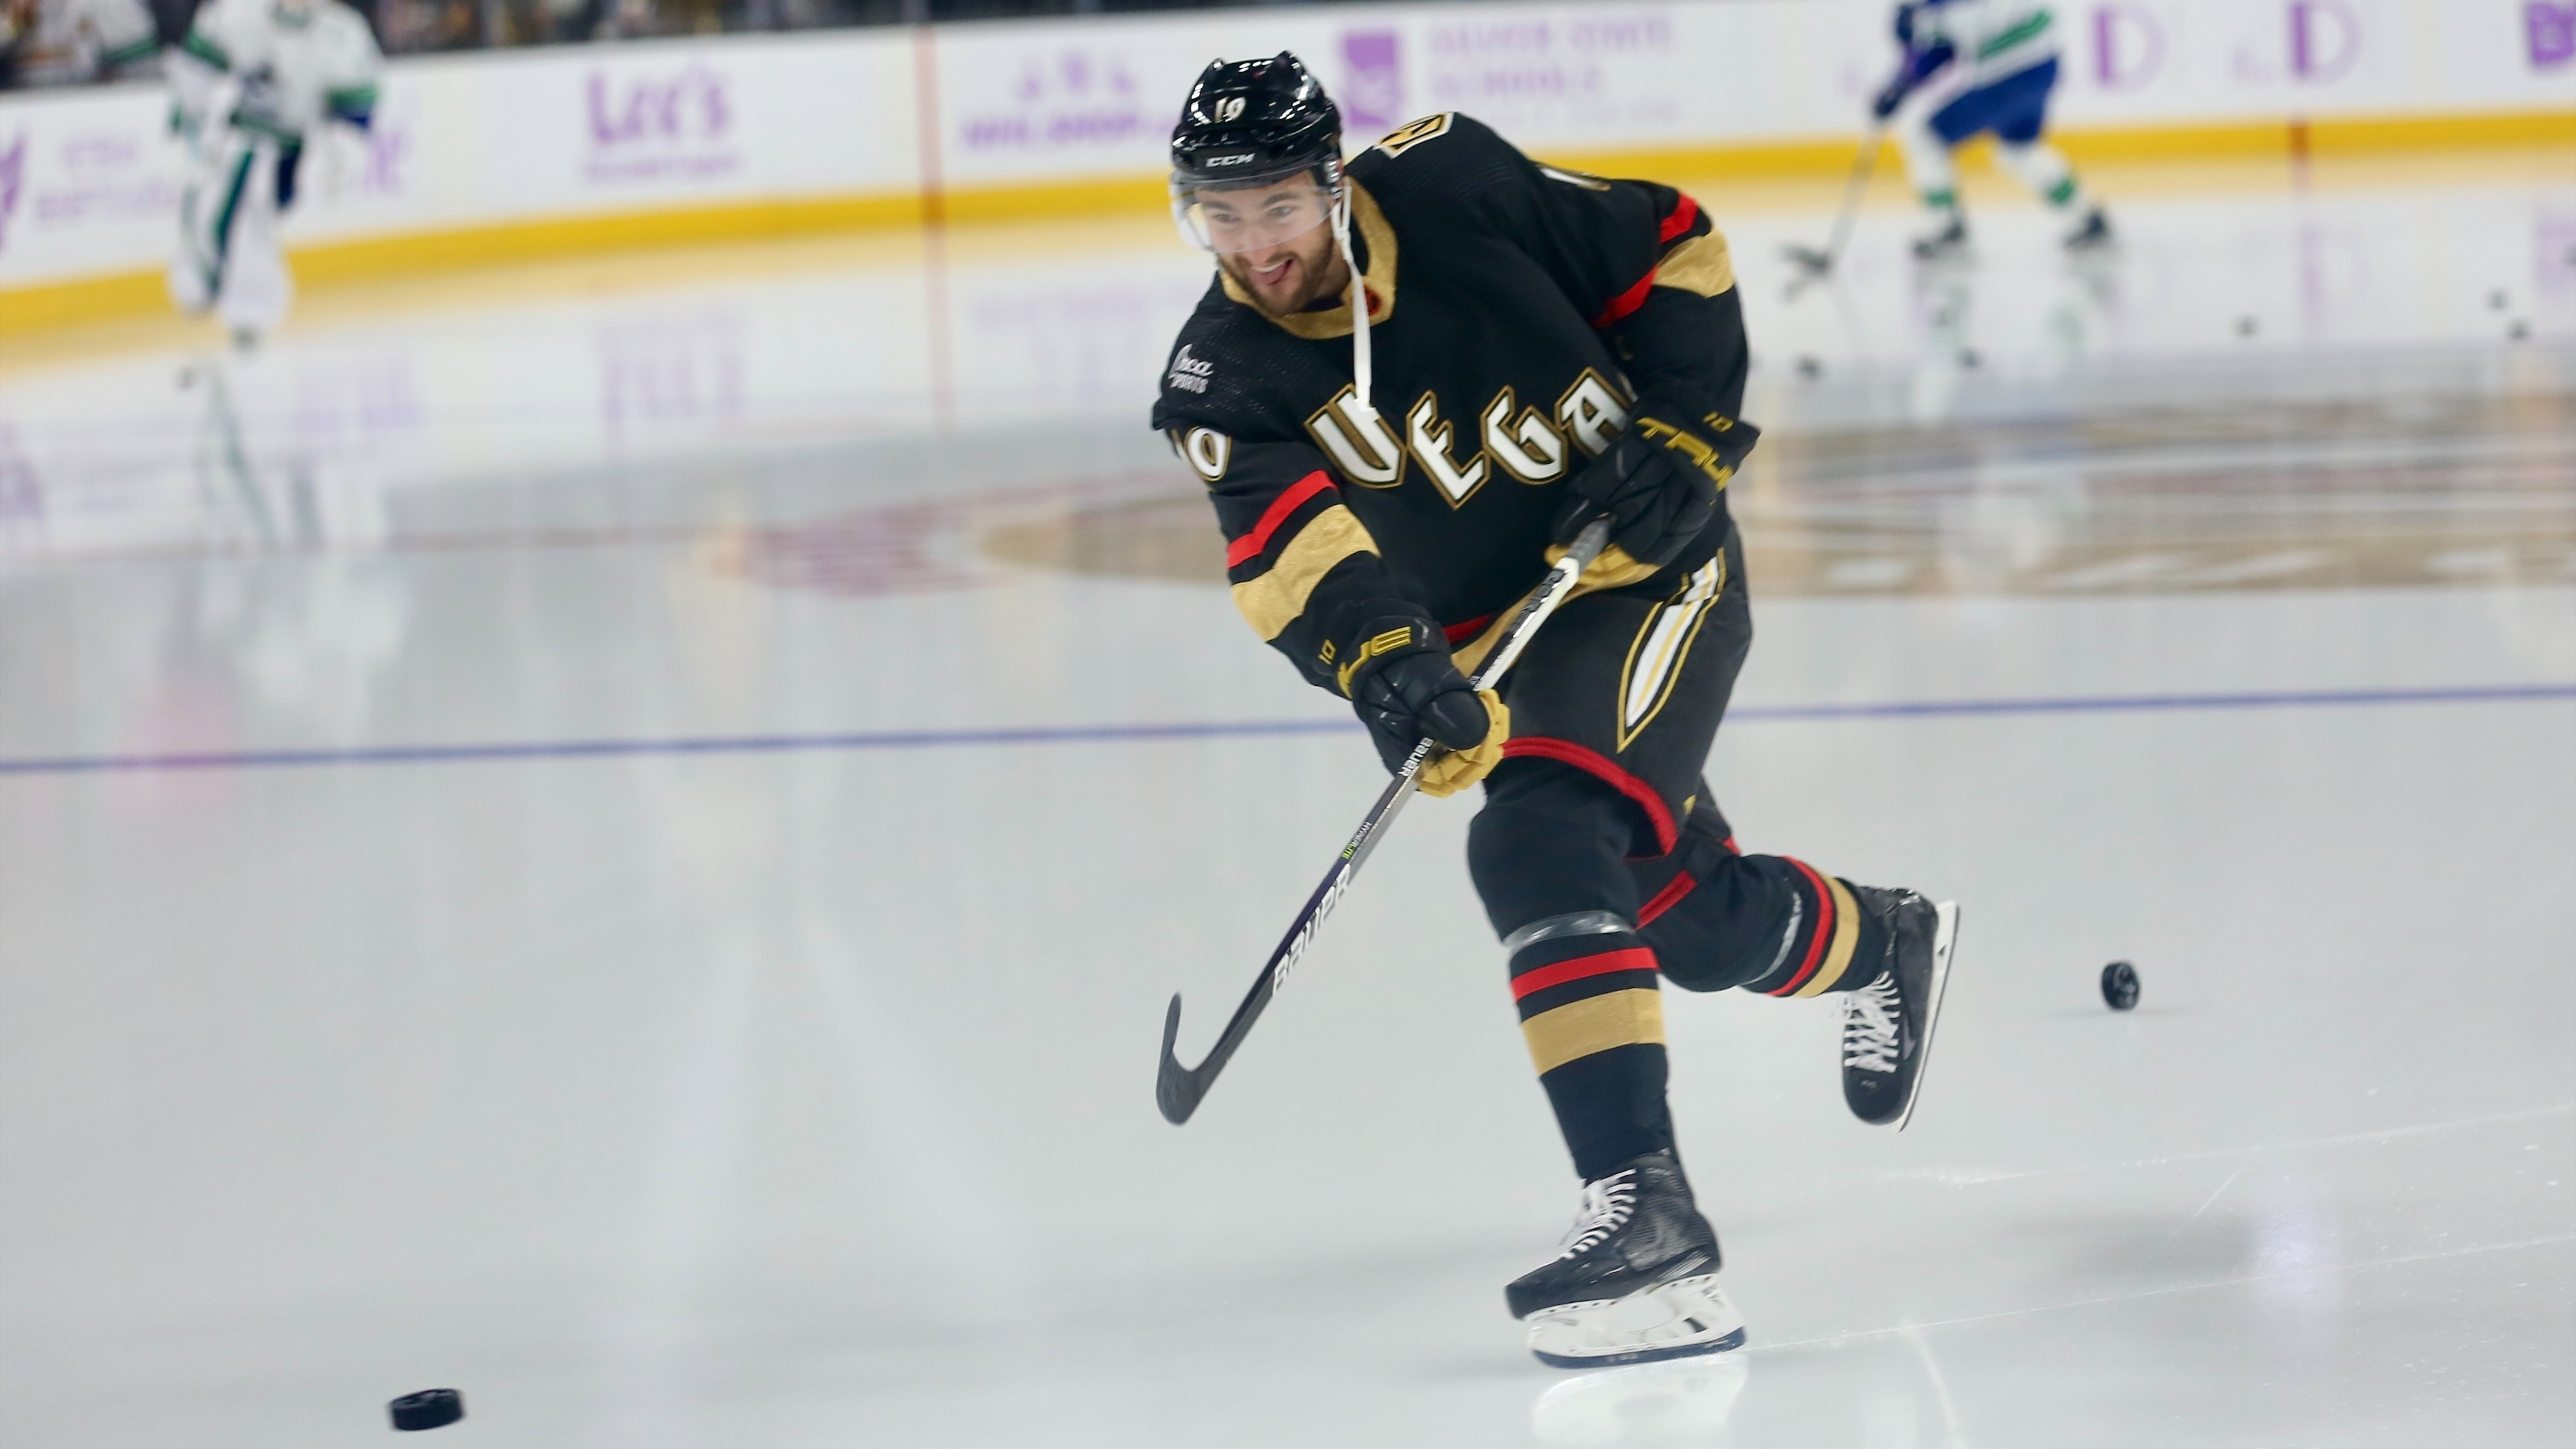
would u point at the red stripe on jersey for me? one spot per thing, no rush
(1679, 222)
(1591, 762)
(1247, 548)
(1461, 633)
(1665, 899)
(1822, 932)
(1626, 302)
(1635, 958)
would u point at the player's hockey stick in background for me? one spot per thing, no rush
(1178, 1089)
(1821, 263)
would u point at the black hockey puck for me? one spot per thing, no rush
(1810, 367)
(2519, 332)
(428, 1409)
(1968, 357)
(2244, 326)
(2120, 986)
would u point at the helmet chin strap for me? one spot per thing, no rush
(1361, 371)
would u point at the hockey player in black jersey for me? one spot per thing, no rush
(1412, 382)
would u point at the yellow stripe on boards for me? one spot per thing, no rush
(1273, 601)
(1594, 1024)
(1838, 956)
(138, 292)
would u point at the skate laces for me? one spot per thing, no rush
(1604, 1208)
(1871, 1024)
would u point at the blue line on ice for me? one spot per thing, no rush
(1113, 733)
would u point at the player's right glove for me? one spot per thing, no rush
(1399, 677)
(1659, 482)
(1891, 96)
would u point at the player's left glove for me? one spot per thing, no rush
(1400, 678)
(1659, 482)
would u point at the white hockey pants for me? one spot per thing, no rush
(2035, 164)
(230, 258)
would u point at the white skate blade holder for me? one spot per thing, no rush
(1679, 1319)
(1945, 940)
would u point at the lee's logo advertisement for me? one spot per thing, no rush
(645, 126)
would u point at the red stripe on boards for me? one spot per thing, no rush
(1822, 932)
(1686, 212)
(1635, 958)
(1591, 762)
(1247, 548)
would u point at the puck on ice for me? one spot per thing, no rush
(2244, 326)
(428, 1409)
(1809, 367)
(2120, 986)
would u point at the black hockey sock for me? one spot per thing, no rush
(1549, 856)
(1594, 1022)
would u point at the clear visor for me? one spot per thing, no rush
(1251, 218)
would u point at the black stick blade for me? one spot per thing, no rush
(1809, 259)
(1176, 1088)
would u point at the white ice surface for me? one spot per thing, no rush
(802, 1097)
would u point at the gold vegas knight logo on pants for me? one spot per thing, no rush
(1656, 656)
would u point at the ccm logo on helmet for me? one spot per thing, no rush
(1216, 161)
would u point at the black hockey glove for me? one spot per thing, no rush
(1399, 677)
(1659, 482)
(1891, 96)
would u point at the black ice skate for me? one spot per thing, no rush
(1637, 1281)
(1949, 241)
(2092, 234)
(1888, 1024)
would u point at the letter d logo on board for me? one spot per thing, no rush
(2128, 46)
(2325, 39)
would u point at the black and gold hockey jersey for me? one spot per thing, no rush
(1516, 312)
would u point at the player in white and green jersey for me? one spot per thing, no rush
(1981, 66)
(253, 80)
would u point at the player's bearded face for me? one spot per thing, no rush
(1275, 240)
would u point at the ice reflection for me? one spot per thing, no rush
(1686, 1401)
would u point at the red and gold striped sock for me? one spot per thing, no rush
(1830, 944)
(1593, 1016)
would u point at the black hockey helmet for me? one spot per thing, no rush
(1249, 121)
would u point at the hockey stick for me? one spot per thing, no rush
(1865, 165)
(1178, 1089)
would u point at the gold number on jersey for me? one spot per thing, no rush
(1413, 133)
(1529, 448)
(1358, 440)
(1208, 451)
(1591, 412)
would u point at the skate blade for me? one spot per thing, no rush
(1671, 1320)
(1945, 939)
